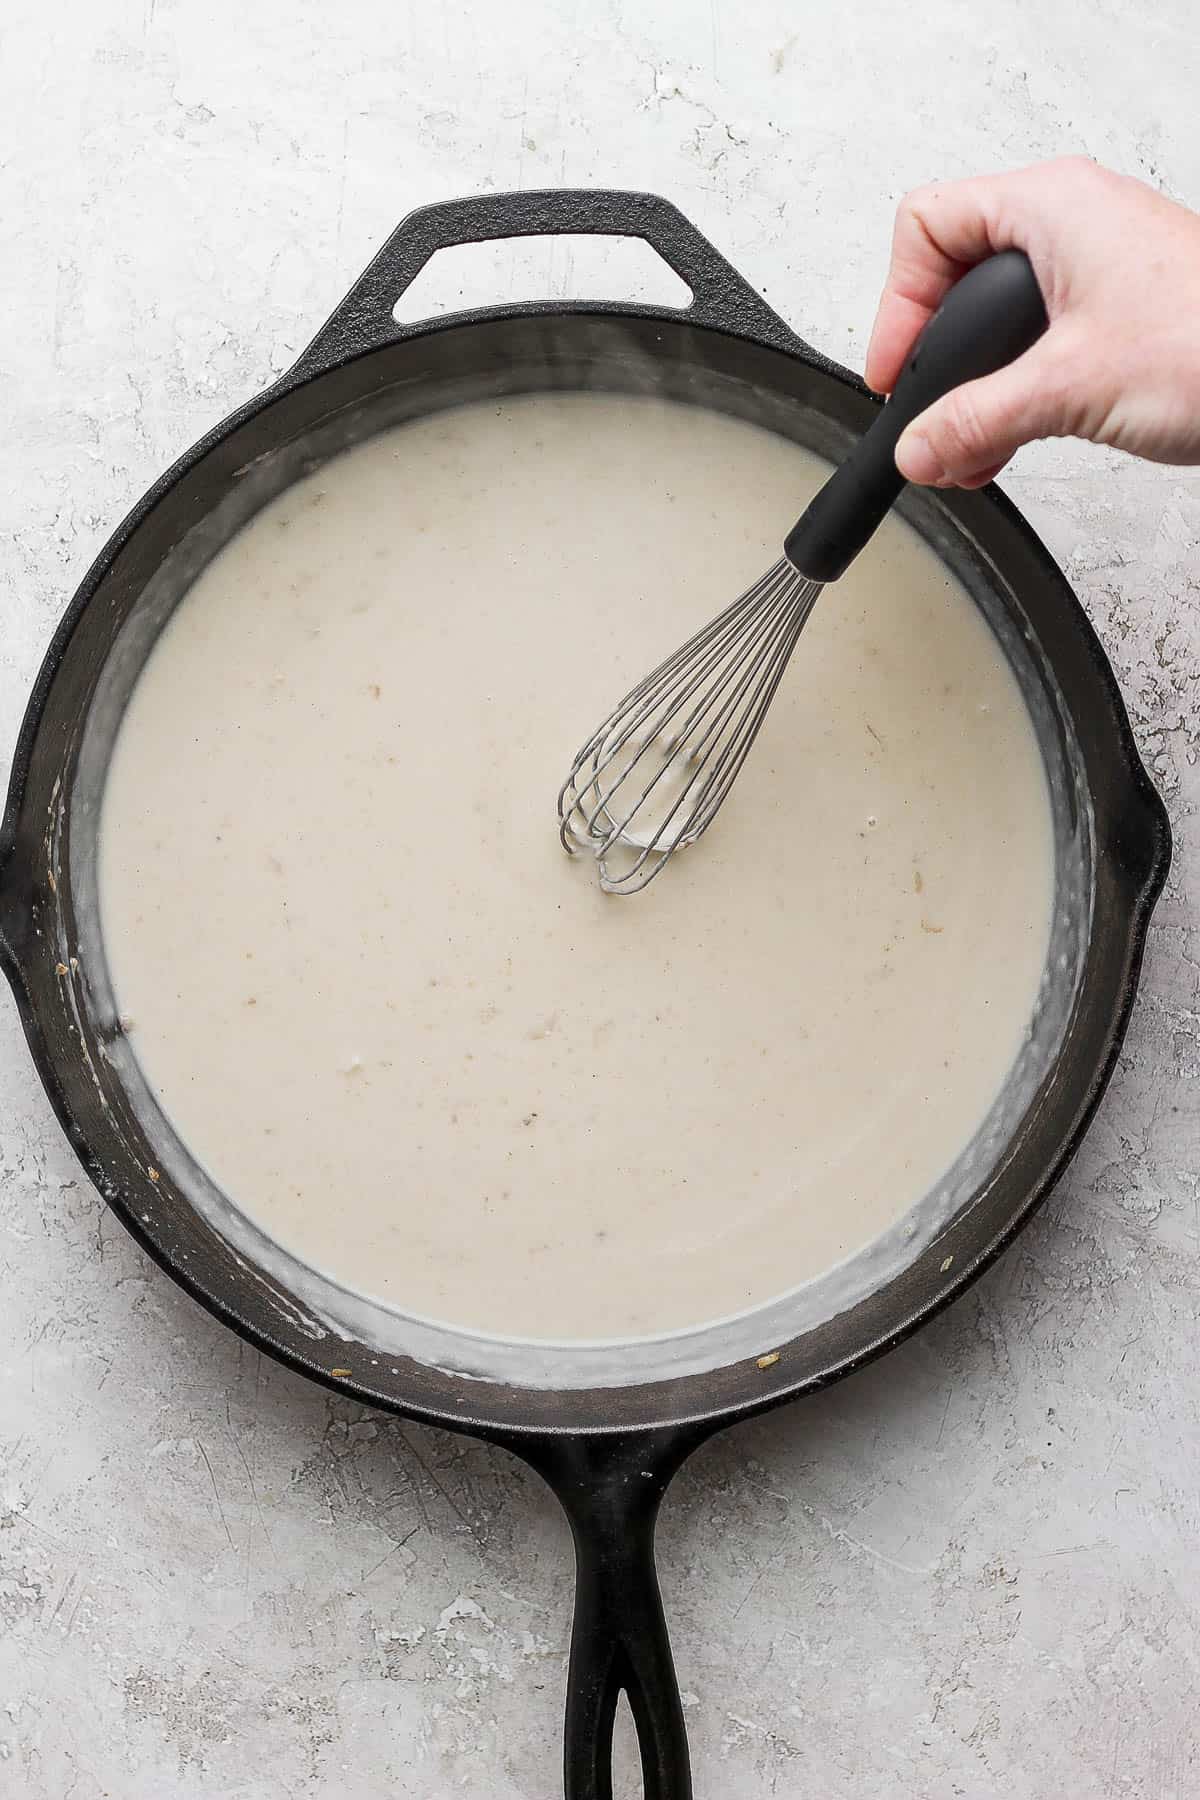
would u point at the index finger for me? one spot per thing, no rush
(940, 231)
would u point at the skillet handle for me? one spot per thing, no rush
(611, 1489)
(721, 297)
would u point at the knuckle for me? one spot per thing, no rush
(1063, 374)
(1081, 172)
(965, 437)
(1066, 375)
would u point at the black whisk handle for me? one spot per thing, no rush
(988, 319)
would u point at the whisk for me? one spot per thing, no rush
(654, 774)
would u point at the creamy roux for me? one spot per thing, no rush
(410, 1037)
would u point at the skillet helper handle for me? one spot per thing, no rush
(611, 1489)
(987, 320)
(721, 297)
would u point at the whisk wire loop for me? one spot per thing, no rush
(653, 775)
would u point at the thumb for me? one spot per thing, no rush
(972, 431)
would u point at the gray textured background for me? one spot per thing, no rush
(970, 1571)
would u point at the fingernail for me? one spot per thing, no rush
(917, 460)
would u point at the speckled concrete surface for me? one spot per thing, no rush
(970, 1571)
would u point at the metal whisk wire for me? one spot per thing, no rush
(653, 775)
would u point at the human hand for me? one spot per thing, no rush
(1119, 270)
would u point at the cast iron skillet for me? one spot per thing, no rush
(609, 1449)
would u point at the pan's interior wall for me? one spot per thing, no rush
(137, 1157)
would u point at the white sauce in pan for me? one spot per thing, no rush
(410, 1037)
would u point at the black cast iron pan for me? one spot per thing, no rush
(609, 1431)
